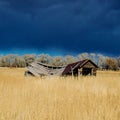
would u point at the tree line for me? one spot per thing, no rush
(104, 62)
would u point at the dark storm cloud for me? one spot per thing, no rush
(70, 25)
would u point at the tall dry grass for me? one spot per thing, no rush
(55, 98)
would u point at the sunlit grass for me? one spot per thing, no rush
(56, 98)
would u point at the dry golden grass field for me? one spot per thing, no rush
(55, 98)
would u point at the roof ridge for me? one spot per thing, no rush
(86, 60)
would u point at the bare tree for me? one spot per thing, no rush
(20, 61)
(58, 61)
(118, 60)
(83, 56)
(111, 64)
(44, 58)
(70, 59)
(101, 61)
(1, 60)
(29, 58)
(93, 57)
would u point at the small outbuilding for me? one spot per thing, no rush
(84, 67)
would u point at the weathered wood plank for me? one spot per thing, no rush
(39, 69)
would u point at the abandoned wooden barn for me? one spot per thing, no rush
(85, 67)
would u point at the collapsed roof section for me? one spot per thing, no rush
(39, 69)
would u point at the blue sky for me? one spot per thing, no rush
(60, 26)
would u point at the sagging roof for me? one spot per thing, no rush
(38, 69)
(75, 65)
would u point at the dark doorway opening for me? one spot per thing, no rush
(87, 71)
